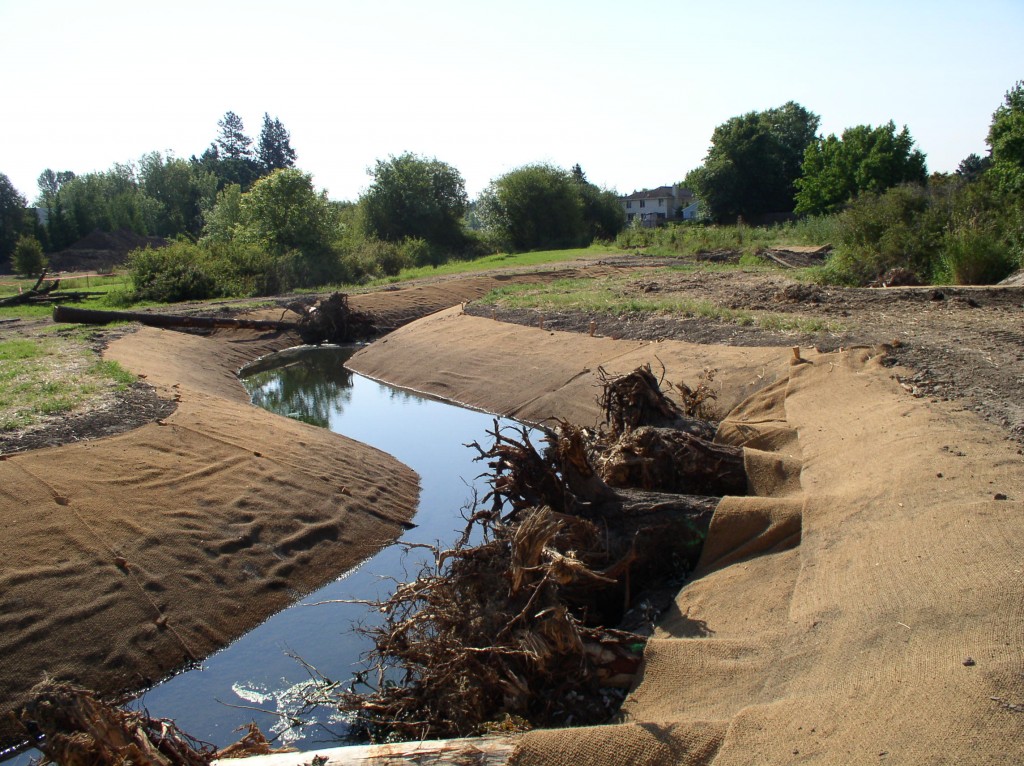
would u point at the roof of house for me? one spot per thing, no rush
(661, 191)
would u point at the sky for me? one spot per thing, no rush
(629, 90)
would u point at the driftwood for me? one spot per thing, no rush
(73, 728)
(634, 400)
(518, 625)
(329, 320)
(478, 751)
(34, 293)
(332, 320)
(667, 460)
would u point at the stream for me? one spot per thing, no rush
(258, 678)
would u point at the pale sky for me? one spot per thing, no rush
(630, 90)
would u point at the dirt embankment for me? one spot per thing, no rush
(137, 552)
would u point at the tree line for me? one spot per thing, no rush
(245, 219)
(240, 194)
(886, 211)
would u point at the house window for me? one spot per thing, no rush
(629, 205)
(642, 203)
(661, 202)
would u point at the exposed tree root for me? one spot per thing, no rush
(73, 728)
(517, 627)
(634, 400)
(332, 320)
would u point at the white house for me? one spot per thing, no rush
(657, 206)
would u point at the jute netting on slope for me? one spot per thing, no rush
(864, 606)
(124, 558)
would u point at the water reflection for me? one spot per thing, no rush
(312, 385)
(310, 388)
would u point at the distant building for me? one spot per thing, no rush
(658, 206)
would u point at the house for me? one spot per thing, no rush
(661, 205)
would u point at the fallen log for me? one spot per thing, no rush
(95, 316)
(33, 293)
(480, 751)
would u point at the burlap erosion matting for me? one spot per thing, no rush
(866, 605)
(123, 558)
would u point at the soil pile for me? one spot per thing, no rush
(101, 251)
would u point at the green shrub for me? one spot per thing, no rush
(247, 270)
(367, 259)
(177, 272)
(812, 230)
(119, 298)
(419, 252)
(636, 235)
(878, 232)
(972, 256)
(475, 245)
(28, 258)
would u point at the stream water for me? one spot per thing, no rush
(257, 671)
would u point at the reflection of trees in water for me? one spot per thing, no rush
(401, 395)
(310, 387)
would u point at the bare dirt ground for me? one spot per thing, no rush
(963, 344)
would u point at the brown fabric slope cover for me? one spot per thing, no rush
(126, 557)
(866, 605)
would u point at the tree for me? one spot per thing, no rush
(12, 216)
(109, 201)
(50, 184)
(753, 163)
(28, 258)
(534, 207)
(232, 143)
(284, 214)
(602, 212)
(972, 167)
(418, 198)
(60, 228)
(1006, 142)
(224, 216)
(865, 159)
(274, 150)
(181, 189)
(230, 157)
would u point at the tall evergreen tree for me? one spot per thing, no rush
(230, 157)
(274, 151)
(12, 216)
(232, 142)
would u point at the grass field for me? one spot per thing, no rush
(53, 375)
